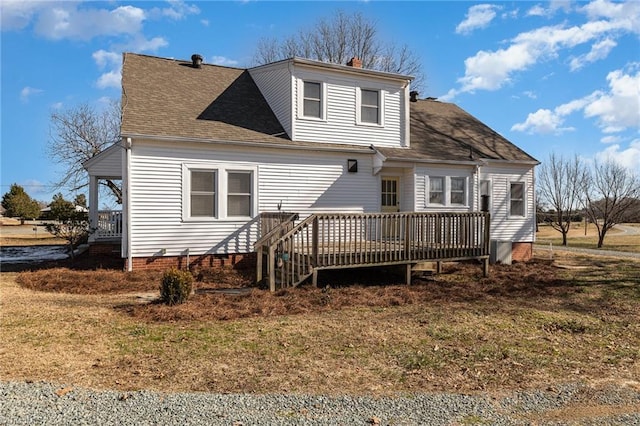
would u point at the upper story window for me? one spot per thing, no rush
(312, 99)
(517, 199)
(370, 106)
(436, 190)
(457, 194)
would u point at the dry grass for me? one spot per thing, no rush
(614, 240)
(526, 326)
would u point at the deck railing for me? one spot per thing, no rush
(343, 240)
(109, 224)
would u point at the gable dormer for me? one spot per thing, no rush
(342, 104)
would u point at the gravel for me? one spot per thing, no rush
(48, 404)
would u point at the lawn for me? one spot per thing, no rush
(615, 240)
(528, 325)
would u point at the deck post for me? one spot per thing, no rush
(485, 267)
(314, 277)
(438, 267)
(271, 268)
(314, 242)
(259, 265)
(408, 272)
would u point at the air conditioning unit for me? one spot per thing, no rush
(500, 252)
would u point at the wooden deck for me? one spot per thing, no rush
(290, 253)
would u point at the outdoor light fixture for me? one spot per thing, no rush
(352, 166)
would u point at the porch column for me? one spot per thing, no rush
(93, 206)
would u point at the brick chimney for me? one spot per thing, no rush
(355, 62)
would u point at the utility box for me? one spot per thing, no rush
(500, 252)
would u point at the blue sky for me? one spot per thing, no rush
(557, 76)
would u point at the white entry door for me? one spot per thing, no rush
(389, 195)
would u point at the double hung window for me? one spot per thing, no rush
(517, 199)
(312, 99)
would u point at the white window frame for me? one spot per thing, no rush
(221, 190)
(446, 191)
(381, 109)
(465, 192)
(251, 192)
(323, 100)
(524, 199)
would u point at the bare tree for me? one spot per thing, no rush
(339, 38)
(78, 134)
(560, 184)
(610, 191)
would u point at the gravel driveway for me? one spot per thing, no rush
(42, 403)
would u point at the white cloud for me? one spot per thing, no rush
(620, 107)
(17, 14)
(629, 157)
(27, 92)
(599, 50)
(57, 105)
(529, 94)
(537, 10)
(66, 20)
(478, 16)
(491, 70)
(104, 58)
(109, 79)
(615, 110)
(543, 121)
(204, 22)
(221, 60)
(141, 44)
(610, 139)
(178, 10)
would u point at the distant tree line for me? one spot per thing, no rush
(606, 193)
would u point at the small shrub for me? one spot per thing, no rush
(176, 286)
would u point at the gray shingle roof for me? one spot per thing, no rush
(170, 98)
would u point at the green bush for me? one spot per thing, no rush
(176, 286)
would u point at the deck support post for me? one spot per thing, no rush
(408, 273)
(271, 268)
(314, 277)
(438, 267)
(259, 265)
(485, 267)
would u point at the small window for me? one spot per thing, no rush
(239, 198)
(457, 191)
(436, 190)
(516, 195)
(203, 193)
(370, 106)
(312, 100)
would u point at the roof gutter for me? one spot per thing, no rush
(313, 146)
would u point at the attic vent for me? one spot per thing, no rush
(196, 60)
(414, 96)
(355, 62)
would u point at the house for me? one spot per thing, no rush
(207, 151)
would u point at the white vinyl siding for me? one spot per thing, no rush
(505, 226)
(341, 119)
(298, 181)
(275, 84)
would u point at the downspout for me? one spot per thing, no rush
(127, 202)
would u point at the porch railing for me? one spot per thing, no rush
(344, 240)
(109, 224)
